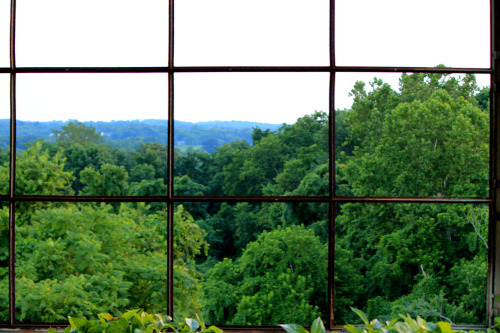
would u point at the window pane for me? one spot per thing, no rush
(256, 32)
(4, 262)
(92, 134)
(419, 259)
(260, 264)
(429, 138)
(250, 134)
(5, 34)
(83, 259)
(4, 133)
(92, 33)
(412, 33)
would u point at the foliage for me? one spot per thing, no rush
(81, 259)
(316, 327)
(261, 262)
(135, 321)
(38, 173)
(403, 324)
(430, 138)
(77, 132)
(279, 277)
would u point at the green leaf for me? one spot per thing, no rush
(95, 329)
(193, 324)
(317, 326)
(105, 315)
(212, 329)
(162, 320)
(353, 329)
(121, 323)
(361, 315)
(78, 324)
(201, 322)
(433, 327)
(445, 327)
(114, 329)
(129, 314)
(392, 322)
(294, 328)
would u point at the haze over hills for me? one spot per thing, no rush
(130, 134)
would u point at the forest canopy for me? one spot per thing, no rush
(265, 263)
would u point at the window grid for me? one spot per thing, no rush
(332, 199)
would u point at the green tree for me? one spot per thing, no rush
(77, 132)
(38, 173)
(81, 259)
(109, 180)
(220, 160)
(258, 134)
(184, 186)
(154, 154)
(428, 139)
(79, 156)
(284, 269)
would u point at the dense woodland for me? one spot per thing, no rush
(261, 264)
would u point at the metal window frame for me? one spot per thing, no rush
(493, 200)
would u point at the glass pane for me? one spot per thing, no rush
(4, 133)
(250, 134)
(256, 32)
(258, 264)
(412, 33)
(4, 262)
(92, 33)
(5, 34)
(83, 259)
(428, 260)
(92, 134)
(427, 138)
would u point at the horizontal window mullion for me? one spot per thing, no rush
(256, 69)
(461, 200)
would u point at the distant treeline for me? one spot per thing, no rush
(130, 134)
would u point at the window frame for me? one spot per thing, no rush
(493, 200)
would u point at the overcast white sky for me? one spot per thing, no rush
(225, 32)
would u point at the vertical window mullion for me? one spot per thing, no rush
(332, 203)
(170, 153)
(12, 178)
(170, 221)
(332, 178)
(493, 305)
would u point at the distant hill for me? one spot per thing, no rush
(129, 135)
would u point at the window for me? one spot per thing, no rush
(225, 158)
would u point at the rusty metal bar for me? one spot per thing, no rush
(332, 176)
(12, 263)
(170, 157)
(12, 173)
(493, 302)
(332, 165)
(170, 203)
(257, 69)
(331, 266)
(174, 198)
(353, 69)
(331, 215)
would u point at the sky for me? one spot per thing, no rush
(225, 32)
